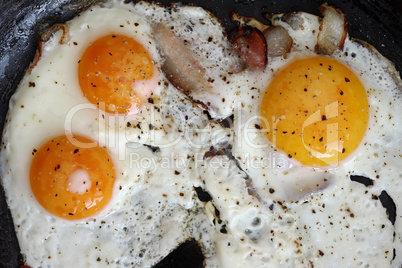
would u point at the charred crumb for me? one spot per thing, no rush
(215, 151)
(217, 212)
(154, 149)
(187, 254)
(207, 114)
(227, 122)
(388, 203)
(362, 179)
(203, 195)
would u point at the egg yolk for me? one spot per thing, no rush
(70, 181)
(317, 111)
(108, 69)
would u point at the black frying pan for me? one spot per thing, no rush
(23, 21)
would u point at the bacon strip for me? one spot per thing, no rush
(181, 66)
(278, 40)
(333, 30)
(251, 45)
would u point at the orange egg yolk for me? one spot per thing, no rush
(317, 111)
(70, 181)
(108, 69)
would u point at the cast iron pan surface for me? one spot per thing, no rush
(22, 22)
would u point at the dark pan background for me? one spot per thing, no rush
(22, 22)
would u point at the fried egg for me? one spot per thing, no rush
(96, 170)
(290, 196)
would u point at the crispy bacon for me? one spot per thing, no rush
(279, 41)
(294, 20)
(181, 66)
(251, 45)
(333, 30)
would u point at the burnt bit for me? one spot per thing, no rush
(187, 254)
(203, 195)
(217, 212)
(323, 118)
(388, 203)
(223, 229)
(154, 149)
(205, 112)
(213, 151)
(362, 179)
(227, 122)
